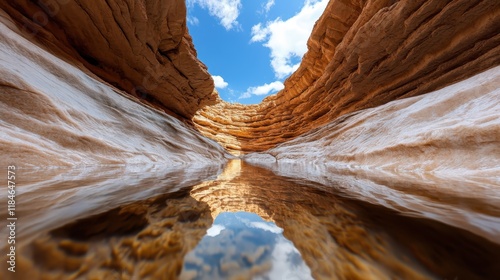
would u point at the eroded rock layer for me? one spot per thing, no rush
(56, 113)
(452, 133)
(142, 47)
(363, 54)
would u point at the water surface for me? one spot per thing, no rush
(245, 222)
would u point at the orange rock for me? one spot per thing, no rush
(142, 47)
(363, 54)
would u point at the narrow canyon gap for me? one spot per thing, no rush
(395, 108)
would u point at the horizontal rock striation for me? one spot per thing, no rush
(452, 134)
(363, 54)
(56, 114)
(141, 47)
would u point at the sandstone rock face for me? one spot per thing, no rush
(463, 116)
(100, 233)
(363, 54)
(54, 113)
(142, 47)
(399, 99)
(445, 143)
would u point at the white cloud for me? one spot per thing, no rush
(227, 11)
(266, 226)
(258, 33)
(268, 5)
(263, 89)
(287, 262)
(193, 20)
(219, 82)
(215, 230)
(287, 39)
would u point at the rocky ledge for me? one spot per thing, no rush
(361, 54)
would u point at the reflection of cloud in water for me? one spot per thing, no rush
(265, 226)
(243, 244)
(215, 230)
(287, 262)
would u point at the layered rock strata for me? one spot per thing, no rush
(452, 133)
(57, 113)
(141, 47)
(363, 54)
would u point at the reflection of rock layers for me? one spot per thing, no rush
(144, 240)
(54, 197)
(427, 196)
(322, 233)
(336, 239)
(55, 114)
(363, 54)
(453, 134)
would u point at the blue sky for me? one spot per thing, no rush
(237, 236)
(251, 46)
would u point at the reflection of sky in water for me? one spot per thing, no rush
(243, 244)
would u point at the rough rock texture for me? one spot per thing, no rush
(73, 73)
(452, 133)
(364, 54)
(55, 113)
(142, 47)
(337, 238)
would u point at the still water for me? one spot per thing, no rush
(242, 244)
(240, 221)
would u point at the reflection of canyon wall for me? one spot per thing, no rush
(363, 54)
(142, 240)
(330, 237)
(339, 240)
(113, 235)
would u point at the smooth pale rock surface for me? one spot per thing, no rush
(451, 134)
(362, 54)
(51, 197)
(141, 47)
(56, 114)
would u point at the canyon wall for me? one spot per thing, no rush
(445, 142)
(402, 97)
(363, 54)
(56, 113)
(141, 47)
